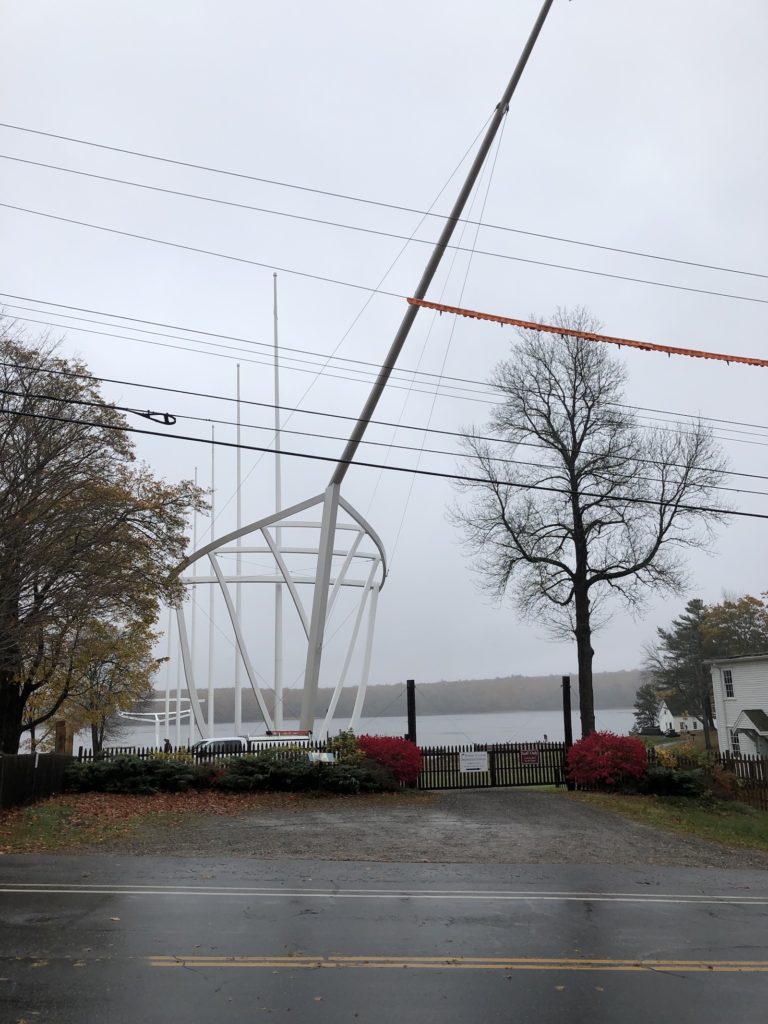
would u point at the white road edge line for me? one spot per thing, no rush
(385, 896)
(240, 890)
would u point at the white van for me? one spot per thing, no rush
(221, 745)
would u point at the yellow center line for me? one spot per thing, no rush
(303, 961)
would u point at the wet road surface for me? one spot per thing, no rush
(129, 939)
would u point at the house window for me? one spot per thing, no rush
(728, 682)
(735, 746)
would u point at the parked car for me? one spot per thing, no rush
(249, 744)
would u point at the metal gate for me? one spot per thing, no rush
(482, 766)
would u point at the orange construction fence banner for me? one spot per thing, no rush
(646, 346)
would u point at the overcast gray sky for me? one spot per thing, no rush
(636, 125)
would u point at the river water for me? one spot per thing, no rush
(432, 730)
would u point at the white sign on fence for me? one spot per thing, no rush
(474, 761)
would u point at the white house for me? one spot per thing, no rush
(676, 719)
(740, 687)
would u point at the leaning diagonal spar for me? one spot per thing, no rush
(331, 497)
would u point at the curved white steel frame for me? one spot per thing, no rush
(370, 582)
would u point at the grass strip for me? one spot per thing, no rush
(727, 822)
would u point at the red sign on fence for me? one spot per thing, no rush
(529, 757)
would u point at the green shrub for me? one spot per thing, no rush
(346, 748)
(129, 774)
(379, 777)
(274, 773)
(665, 781)
(184, 756)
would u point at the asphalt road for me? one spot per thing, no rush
(130, 939)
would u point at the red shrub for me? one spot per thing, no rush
(400, 756)
(605, 759)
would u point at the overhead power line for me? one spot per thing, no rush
(171, 418)
(712, 510)
(374, 202)
(208, 252)
(328, 357)
(646, 346)
(436, 390)
(326, 415)
(348, 284)
(377, 232)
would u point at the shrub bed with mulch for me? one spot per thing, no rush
(368, 764)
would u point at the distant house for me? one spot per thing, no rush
(740, 687)
(674, 717)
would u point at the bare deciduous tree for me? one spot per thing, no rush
(574, 500)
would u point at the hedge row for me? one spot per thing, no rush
(614, 763)
(267, 771)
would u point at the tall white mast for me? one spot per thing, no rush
(278, 714)
(167, 707)
(238, 573)
(178, 695)
(211, 595)
(193, 625)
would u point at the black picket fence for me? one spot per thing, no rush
(748, 771)
(499, 765)
(752, 773)
(284, 749)
(111, 753)
(484, 766)
(26, 778)
(506, 764)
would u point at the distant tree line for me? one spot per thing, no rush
(457, 697)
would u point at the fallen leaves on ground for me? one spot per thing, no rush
(74, 820)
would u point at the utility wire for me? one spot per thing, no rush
(328, 415)
(403, 374)
(349, 284)
(371, 231)
(90, 403)
(209, 252)
(462, 478)
(367, 202)
(435, 390)
(321, 355)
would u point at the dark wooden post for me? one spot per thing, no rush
(492, 767)
(567, 724)
(410, 696)
(63, 737)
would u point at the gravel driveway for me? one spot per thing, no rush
(501, 826)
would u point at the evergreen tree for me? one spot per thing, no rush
(647, 707)
(677, 666)
(732, 629)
